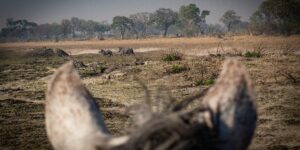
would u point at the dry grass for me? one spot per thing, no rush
(22, 83)
(176, 43)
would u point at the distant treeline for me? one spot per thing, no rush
(274, 17)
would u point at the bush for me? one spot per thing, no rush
(205, 82)
(177, 69)
(99, 67)
(87, 73)
(94, 69)
(172, 57)
(255, 54)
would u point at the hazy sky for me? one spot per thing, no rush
(43, 11)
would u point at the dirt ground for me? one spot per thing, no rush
(273, 63)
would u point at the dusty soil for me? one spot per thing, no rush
(275, 74)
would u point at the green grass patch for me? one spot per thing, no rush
(96, 69)
(172, 57)
(253, 54)
(205, 82)
(177, 69)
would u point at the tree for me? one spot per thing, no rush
(281, 16)
(230, 19)
(75, 25)
(66, 27)
(203, 24)
(189, 19)
(163, 18)
(20, 29)
(215, 29)
(83, 28)
(88, 28)
(122, 24)
(48, 31)
(190, 12)
(101, 28)
(192, 19)
(140, 23)
(258, 23)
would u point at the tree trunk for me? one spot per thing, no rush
(144, 32)
(165, 31)
(122, 35)
(73, 33)
(229, 27)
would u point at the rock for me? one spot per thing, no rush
(41, 52)
(46, 52)
(151, 62)
(138, 61)
(61, 53)
(78, 64)
(110, 69)
(125, 51)
(106, 52)
(115, 75)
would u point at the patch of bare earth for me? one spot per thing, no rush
(23, 81)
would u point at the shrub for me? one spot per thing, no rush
(287, 49)
(205, 82)
(99, 68)
(177, 69)
(172, 57)
(94, 69)
(255, 54)
(87, 73)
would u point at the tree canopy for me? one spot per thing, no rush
(275, 17)
(122, 24)
(279, 16)
(191, 19)
(230, 18)
(163, 18)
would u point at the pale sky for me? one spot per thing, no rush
(48, 11)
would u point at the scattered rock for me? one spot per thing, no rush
(98, 67)
(138, 61)
(78, 64)
(150, 62)
(61, 53)
(110, 69)
(46, 52)
(115, 75)
(125, 51)
(41, 52)
(215, 55)
(106, 52)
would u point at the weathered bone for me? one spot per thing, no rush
(226, 120)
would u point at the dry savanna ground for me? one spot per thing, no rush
(179, 67)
